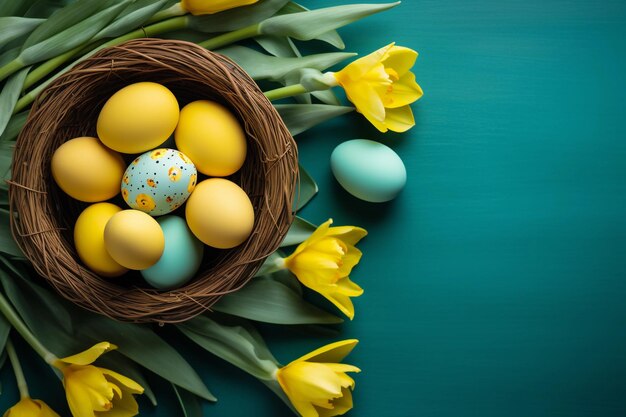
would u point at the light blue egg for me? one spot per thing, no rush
(181, 257)
(159, 181)
(368, 170)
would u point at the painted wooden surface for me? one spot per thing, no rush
(495, 283)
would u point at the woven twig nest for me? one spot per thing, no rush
(69, 107)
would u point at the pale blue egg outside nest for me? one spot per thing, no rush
(368, 170)
(158, 182)
(181, 257)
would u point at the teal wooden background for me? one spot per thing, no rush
(495, 284)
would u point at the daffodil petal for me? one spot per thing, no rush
(331, 353)
(369, 103)
(89, 355)
(362, 66)
(400, 59)
(200, 7)
(305, 408)
(341, 405)
(342, 302)
(348, 288)
(400, 119)
(79, 403)
(124, 406)
(90, 385)
(127, 383)
(25, 407)
(46, 411)
(349, 261)
(404, 92)
(319, 233)
(349, 234)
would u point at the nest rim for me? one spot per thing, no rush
(68, 108)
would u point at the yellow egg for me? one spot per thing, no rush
(134, 239)
(210, 135)
(220, 213)
(87, 170)
(89, 239)
(137, 118)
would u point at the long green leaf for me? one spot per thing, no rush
(331, 37)
(237, 18)
(131, 18)
(7, 244)
(275, 387)
(41, 310)
(188, 402)
(9, 96)
(65, 18)
(299, 231)
(71, 37)
(270, 301)
(13, 128)
(302, 117)
(44, 8)
(5, 328)
(12, 27)
(278, 46)
(266, 67)
(311, 24)
(6, 158)
(327, 97)
(239, 345)
(307, 188)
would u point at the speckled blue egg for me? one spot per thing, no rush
(159, 181)
(181, 257)
(368, 170)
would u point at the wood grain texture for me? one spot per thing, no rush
(495, 283)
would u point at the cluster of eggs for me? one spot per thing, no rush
(168, 149)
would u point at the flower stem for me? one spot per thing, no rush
(231, 37)
(10, 68)
(47, 67)
(284, 92)
(17, 323)
(17, 370)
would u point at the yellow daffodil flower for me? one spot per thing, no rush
(199, 7)
(324, 261)
(27, 407)
(317, 384)
(93, 391)
(382, 87)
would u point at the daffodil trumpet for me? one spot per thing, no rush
(324, 261)
(317, 384)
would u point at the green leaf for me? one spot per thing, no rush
(237, 18)
(266, 67)
(145, 347)
(73, 36)
(45, 8)
(65, 18)
(301, 117)
(311, 24)
(299, 231)
(135, 15)
(307, 189)
(188, 402)
(7, 243)
(278, 46)
(240, 345)
(9, 96)
(15, 125)
(12, 27)
(270, 301)
(9, 55)
(120, 364)
(331, 37)
(5, 329)
(6, 158)
(45, 314)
